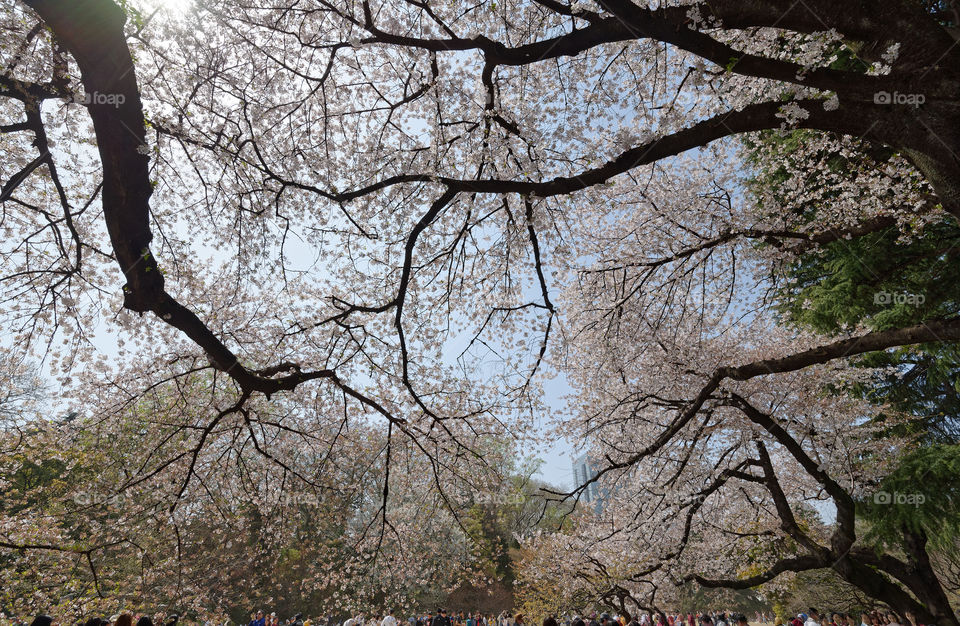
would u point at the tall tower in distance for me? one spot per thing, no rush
(583, 470)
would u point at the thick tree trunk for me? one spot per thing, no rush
(930, 138)
(927, 586)
(878, 586)
(92, 31)
(944, 177)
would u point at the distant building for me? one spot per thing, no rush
(584, 470)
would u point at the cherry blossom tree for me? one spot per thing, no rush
(329, 212)
(97, 520)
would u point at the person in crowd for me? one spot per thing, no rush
(388, 620)
(813, 618)
(125, 619)
(441, 619)
(43, 620)
(145, 620)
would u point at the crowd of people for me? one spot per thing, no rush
(124, 619)
(873, 618)
(440, 618)
(506, 618)
(811, 617)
